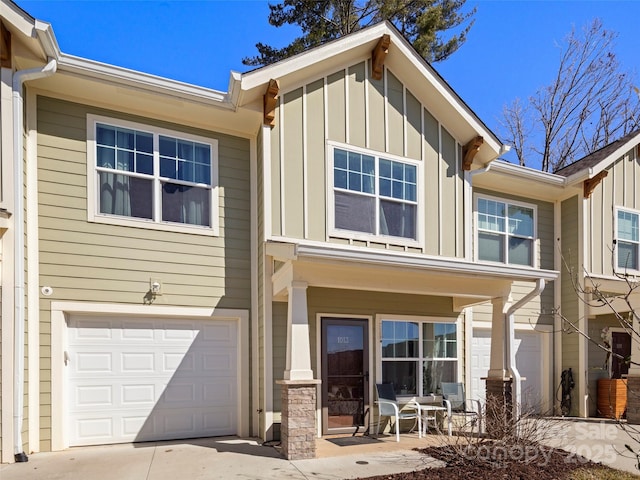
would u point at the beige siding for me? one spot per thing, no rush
(275, 173)
(395, 114)
(383, 116)
(279, 335)
(414, 127)
(617, 189)
(569, 303)
(293, 165)
(375, 113)
(337, 112)
(93, 262)
(316, 168)
(356, 86)
(449, 178)
(432, 184)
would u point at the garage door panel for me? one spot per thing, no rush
(151, 379)
(528, 361)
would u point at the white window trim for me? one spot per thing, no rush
(362, 236)
(421, 319)
(94, 216)
(616, 268)
(536, 240)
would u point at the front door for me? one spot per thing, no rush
(620, 345)
(345, 374)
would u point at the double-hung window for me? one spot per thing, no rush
(152, 177)
(417, 356)
(374, 195)
(627, 240)
(505, 232)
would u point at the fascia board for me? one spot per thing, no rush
(538, 176)
(415, 261)
(261, 76)
(18, 18)
(47, 39)
(143, 81)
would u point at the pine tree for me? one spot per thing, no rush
(420, 21)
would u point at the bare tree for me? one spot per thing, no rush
(590, 103)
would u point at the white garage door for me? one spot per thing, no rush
(142, 379)
(528, 362)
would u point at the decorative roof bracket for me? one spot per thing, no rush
(270, 102)
(590, 184)
(378, 55)
(469, 152)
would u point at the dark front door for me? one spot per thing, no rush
(345, 374)
(620, 345)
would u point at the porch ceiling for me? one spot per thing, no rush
(359, 269)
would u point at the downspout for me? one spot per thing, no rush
(516, 387)
(19, 78)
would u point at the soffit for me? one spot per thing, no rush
(143, 100)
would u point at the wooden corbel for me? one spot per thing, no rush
(5, 47)
(469, 152)
(270, 102)
(590, 184)
(377, 56)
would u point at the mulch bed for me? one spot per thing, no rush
(495, 463)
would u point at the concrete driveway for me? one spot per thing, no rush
(233, 457)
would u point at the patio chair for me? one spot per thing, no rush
(457, 405)
(388, 407)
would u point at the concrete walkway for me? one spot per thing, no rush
(219, 458)
(347, 458)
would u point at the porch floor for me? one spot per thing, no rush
(345, 444)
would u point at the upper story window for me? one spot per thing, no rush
(374, 194)
(627, 240)
(152, 177)
(505, 231)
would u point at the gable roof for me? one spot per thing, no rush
(599, 160)
(419, 76)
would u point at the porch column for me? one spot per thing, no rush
(298, 366)
(633, 378)
(298, 429)
(499, 400)
(498, 361)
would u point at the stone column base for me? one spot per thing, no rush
(499, 407)
(633, 400)
(298, 430)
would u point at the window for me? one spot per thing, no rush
(374, 195)
(506, 232)
(417, 356)
(627, 240)
(153, 177)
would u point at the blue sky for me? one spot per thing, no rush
(511, 50)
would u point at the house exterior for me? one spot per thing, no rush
(181, 262)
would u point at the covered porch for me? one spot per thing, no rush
(392, 316)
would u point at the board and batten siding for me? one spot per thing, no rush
(383, 116)
(95, 262)
(620, 188)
